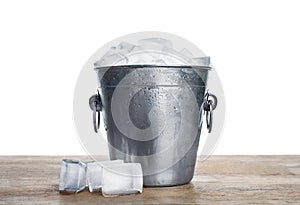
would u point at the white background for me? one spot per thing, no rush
(254, 45)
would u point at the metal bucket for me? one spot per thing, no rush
(153, 116)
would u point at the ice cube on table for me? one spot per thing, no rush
(94, 173)
(119, 179)
(72, 176)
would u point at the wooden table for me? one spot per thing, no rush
(218, 180)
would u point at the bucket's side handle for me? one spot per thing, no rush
(210, 103)
(96, 105)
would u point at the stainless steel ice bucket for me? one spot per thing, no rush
(153, 115)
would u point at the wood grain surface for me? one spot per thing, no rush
(218, 180)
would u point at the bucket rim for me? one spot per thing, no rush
(154, 66)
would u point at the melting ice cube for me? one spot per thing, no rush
(119, 179)
(94, 173)
(72, 176)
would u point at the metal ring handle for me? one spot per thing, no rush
(209, 104)
(209, 120)
(96, 118)
(96, 105)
